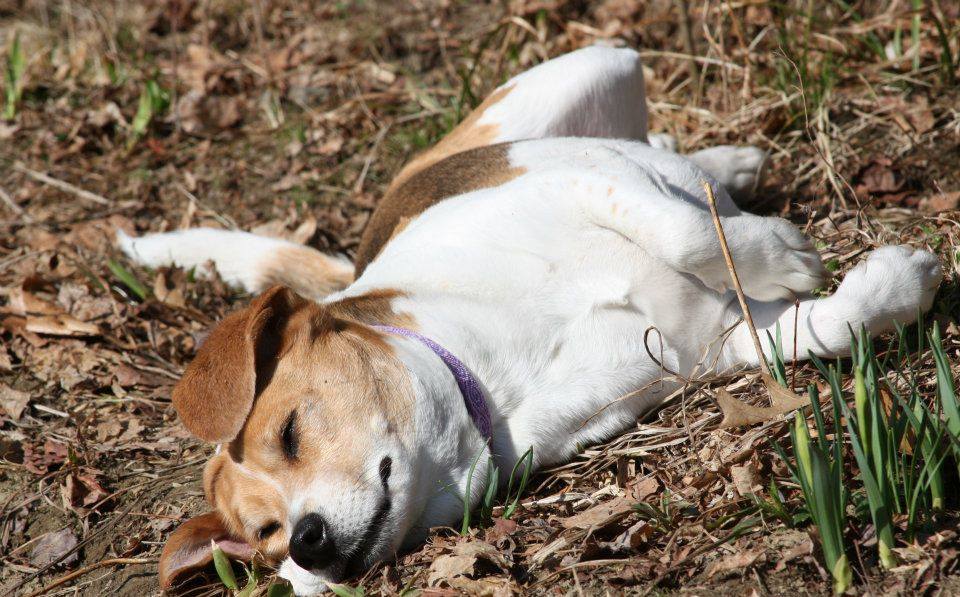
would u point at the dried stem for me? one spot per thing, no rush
(712, 201)
(101, 564)
(59, 184)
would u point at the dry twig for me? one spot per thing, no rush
(712, 201)
(77, 573)
(59, 184)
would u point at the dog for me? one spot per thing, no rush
(498, 302)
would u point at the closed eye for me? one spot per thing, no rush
(289, 439)
(268, 530)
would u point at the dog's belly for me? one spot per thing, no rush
(585, 333)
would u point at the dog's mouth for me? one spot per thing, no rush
(358, 560)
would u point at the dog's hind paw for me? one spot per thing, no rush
(893, 283)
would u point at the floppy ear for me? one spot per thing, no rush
(217, 390)
(188, 549)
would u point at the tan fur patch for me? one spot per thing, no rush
(306, 271)
(479, 168)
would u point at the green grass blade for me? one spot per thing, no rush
(128, 279)
(13, 77)
(224, 569)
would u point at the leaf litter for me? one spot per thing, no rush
(296, 136)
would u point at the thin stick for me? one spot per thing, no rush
(9, 202)
(101, 564)
(59, 184)
(733, 275)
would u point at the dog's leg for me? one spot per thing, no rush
(739, 169)
(892, 284)
(250, 261)
(774, 259)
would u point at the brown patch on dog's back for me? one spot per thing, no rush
(479, 168)
(469, 134)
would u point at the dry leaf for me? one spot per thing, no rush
(53, 546)
(600, 515)
(745, 478)
(802, 549)
(737, 561)
(13, 402)
(941, 202)
(463, 560)
(502, 527)
(60, 325)
(483, 587)
(26, 303)
(640, 489)
(738, 414)
(168, 287)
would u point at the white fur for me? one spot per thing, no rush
(241, 258)
(545, 285)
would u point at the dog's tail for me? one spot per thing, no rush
(250, 261)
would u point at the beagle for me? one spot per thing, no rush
(498, 302)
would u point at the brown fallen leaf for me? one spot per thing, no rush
(941, 202)
(22, 302)
(13, 402)
(601, 515)
(60, 325)
(737, 561)
(745, 478)
(738, 414)
(53, 546)
(629, 540)
(483, 587)
(168, 287)
(641, 488)
(802, 549)
(463, 561)
(502, 527)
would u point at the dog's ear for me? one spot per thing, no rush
(189, 548)
(217, 390)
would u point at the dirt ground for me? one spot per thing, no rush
(289, 118)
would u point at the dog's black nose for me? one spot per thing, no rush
(311, 546)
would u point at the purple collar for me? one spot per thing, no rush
(469, 386)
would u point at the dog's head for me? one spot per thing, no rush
(311, 409)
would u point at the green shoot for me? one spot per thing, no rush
(224, 569)
(526, 460)
(819, 472)
(915, 33)
(13, 78)
(467, 492)
(128, 279)
(493, 481)
(279, 589)
(777, 366)
(154, 100)
(345, 591)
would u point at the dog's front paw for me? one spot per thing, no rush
(774, 260)
(662, 141)
(739, 169)
(893, 282)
